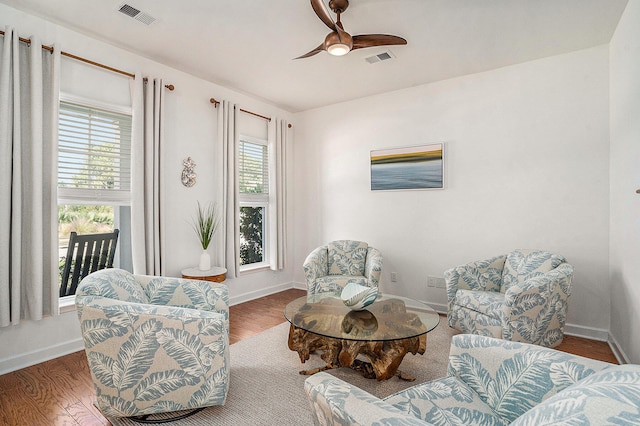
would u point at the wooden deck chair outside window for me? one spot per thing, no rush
(86, 254)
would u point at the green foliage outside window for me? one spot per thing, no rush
(251, 235)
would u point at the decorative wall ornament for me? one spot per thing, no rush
(188, 175)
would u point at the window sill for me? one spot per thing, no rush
(254, 268)
(67, 304)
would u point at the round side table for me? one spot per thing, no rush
(215, 274)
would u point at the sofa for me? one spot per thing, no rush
(522, 296)
(330, 267)
(492, 382)
(154, 344)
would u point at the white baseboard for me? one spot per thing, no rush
(28, 359)
(440, 308)
(617, 351)
(246, 297)
(587, 332)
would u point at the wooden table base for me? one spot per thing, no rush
(384, 357)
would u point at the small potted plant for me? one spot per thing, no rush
(205, 225)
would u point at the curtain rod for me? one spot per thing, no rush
(88, 61)
(216, 102)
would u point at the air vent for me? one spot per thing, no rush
(136, 14)
(379, 57)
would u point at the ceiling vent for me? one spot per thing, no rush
(136, 14)
(380, 57)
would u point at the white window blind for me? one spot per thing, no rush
(94, 154)
(253, 167)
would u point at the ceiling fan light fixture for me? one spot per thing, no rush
(338, 49)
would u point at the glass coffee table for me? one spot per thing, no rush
(384, 332)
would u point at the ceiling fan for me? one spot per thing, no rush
(339, 42)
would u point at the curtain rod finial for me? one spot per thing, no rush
(170, 87)
(214, 102)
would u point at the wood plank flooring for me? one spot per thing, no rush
(60, 391)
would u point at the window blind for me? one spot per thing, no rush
(253, 167)
(94, 151)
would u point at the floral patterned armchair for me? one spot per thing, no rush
(521, 297)
(492, 382)
(154, 344)
(331, 267)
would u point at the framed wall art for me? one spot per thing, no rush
(414, 167)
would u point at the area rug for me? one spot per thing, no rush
(266, 388)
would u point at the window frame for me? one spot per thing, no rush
(85, 196)
(256, 200)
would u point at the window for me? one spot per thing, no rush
(253, 182)
(94, 174)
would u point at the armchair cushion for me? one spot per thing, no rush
(336, 283)
(489, 303)
(443, 399)
(347, 257)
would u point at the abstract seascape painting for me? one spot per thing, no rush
(415, 167)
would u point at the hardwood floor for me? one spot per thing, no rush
(60, 391)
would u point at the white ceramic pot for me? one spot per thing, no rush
(205, 261)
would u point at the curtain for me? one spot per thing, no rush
(228, 134)
(147, 203)
(29, 88)
(277, 193)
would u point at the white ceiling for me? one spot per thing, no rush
(248, 45)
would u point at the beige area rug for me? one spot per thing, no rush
(266, 389)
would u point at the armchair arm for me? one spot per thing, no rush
(373, 266)
(536, 309)
(192, 294)
(335, 402)
(483, 275)
(316, 265)
(513, 377)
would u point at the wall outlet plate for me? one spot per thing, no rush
(394, 277)
(435, 282)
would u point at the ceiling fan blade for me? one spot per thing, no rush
(313, 52)
(371, 40)
(321, 10)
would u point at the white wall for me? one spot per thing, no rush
(526, 167)
(625, 179)
(190, 130)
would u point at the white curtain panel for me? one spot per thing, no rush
(147, 202)
(228, 134)
(278, 133)
(29, 92)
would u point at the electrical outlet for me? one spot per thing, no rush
(394, 277)
(431, 281)
(435, 282)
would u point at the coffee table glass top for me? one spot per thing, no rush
(388, 318)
